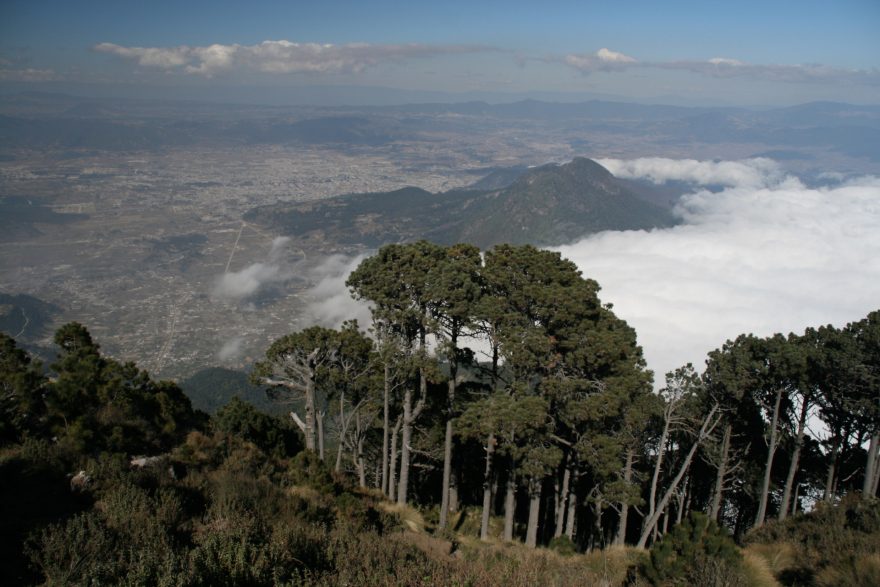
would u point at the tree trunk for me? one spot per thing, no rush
(406, 438)
(534, 512)
(598, 539)
(571, 518)
(721, 474)
(386, 423)
(320, 420)
(709, 422)
(876, 481)
(688, 495)
(620, 538)
(509, 504)
(870, 465)
(454, 504)
(679, 510)
(342, 431)
(311, 443)
(561, 506)
(487, 489)
(795, 459)
(410, 414)
(361, 465)
(447, 443)
(832, 472)
(658, 465)
(392, 465)
(768, 468)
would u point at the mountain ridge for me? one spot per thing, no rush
(547, 205)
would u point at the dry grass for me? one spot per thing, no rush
(512, 564)
(865, 571)
(761, 566)
(778, 557)
(409, 517)
(436, 548)
(304, 492)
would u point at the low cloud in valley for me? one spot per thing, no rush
(765, 254)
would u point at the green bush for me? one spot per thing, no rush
(273, 435)
(80, 551)
(563, 545)
(695, 552)
(309, 470)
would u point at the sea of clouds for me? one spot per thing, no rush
(764, 254)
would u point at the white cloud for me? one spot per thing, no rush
(28, 74)
(725, 61)
(231, 349)
(602, 60)
(761, 256)
(724, 67)
(330, 303)
(278, 57)
(238, 285)
(755, 173)
(721, 67)
(609, 56)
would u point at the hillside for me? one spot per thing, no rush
(212, 388)
(547, 205)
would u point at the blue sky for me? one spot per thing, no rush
(731, 52)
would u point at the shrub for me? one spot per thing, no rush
(78, 551)
(826, 542)
(696, 552)
(563, 545)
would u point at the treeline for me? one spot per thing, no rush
(111, 478)
(495, 383)
(553, 425)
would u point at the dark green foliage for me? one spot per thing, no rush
(76, 552)
(695, 551)
(563, 545)
(271, 434)
(95, 403)
(35, 492)
(560, 425)
(21, 387)
(212, 388)
(307, 469)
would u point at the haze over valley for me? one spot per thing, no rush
(192, 234)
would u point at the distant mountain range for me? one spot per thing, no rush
(547, 205)
(38, 120)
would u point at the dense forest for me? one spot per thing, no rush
(496, 423)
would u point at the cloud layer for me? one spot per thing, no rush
(764, 255)
(723, 67)
(750, 173)
(278, 57)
